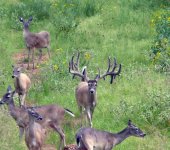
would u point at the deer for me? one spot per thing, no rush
(22, 84)
(34, 133)
(90, 139)
(35, 40)
(85, 92)
(53, 115)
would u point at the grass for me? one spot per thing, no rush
(118, 29)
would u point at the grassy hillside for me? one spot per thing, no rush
(98, 29)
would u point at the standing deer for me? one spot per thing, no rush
(22, 84)
(91, 139)
(35, 40)
(86, 89)
(34, 133)
(53, 115)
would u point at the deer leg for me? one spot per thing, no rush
(81, 114)
(21, 132)
(23, 100)
(20, 99)
(33, 58)
(40, 55)
(29, 51)
(62, 137)
(89, 117)
(48, 49)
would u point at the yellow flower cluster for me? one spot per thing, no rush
(87, 56)
(55, 67)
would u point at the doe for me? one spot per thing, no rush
(34, 133)
(53, 115)
(22, 84)
(92, 139)
(35, 40)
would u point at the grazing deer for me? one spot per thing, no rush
(35, 40)
(22, 84)
(34, 133)
(86, 89)
(53, 115)
(91, 139)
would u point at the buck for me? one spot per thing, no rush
(53, 115)
(34, 133)
(35, 40)
(22, 84)
(92, 139)
(86, 90)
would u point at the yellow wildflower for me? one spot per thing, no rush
(87, 56)
(168, 18)
(55, 67)
(37, 66)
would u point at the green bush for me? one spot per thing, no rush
(65, 14)
(154, 110)
(38, 9)
(160, 51)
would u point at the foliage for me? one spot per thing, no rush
(38, 9)
(160, 51)
(65, 13)
(98, 29)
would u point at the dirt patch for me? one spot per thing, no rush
(21, 60)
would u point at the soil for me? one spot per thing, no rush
(21, 60)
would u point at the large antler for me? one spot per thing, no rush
(110, 72)
(74, 68)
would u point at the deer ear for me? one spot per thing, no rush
(129, 123)
(21, 19)
(19, 69)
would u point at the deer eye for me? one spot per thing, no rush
(136, 130)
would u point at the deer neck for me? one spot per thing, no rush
(92, 98)
(121, 136)
(12, 109)
(26, 32)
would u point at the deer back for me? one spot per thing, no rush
(51, 114)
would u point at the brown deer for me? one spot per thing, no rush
(86, 89)
(35, 40)
(53, 115)
(34, 133)
(91, 139)
(22, 84)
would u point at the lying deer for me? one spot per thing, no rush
(91, 139)
(86, 89)
(35, 40)
(53, 115)
(34, 133)
(22, 84)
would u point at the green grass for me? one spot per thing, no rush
(118, 29)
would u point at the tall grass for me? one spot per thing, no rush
(97, 29)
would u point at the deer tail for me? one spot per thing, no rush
(69, 112)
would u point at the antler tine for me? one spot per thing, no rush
(108, 64)
(98, 75)
(114, 64)
(74, 67)
(77, 61)
(110, 71)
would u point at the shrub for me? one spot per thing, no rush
(160, 51)
(66, 13)
(39, 9)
